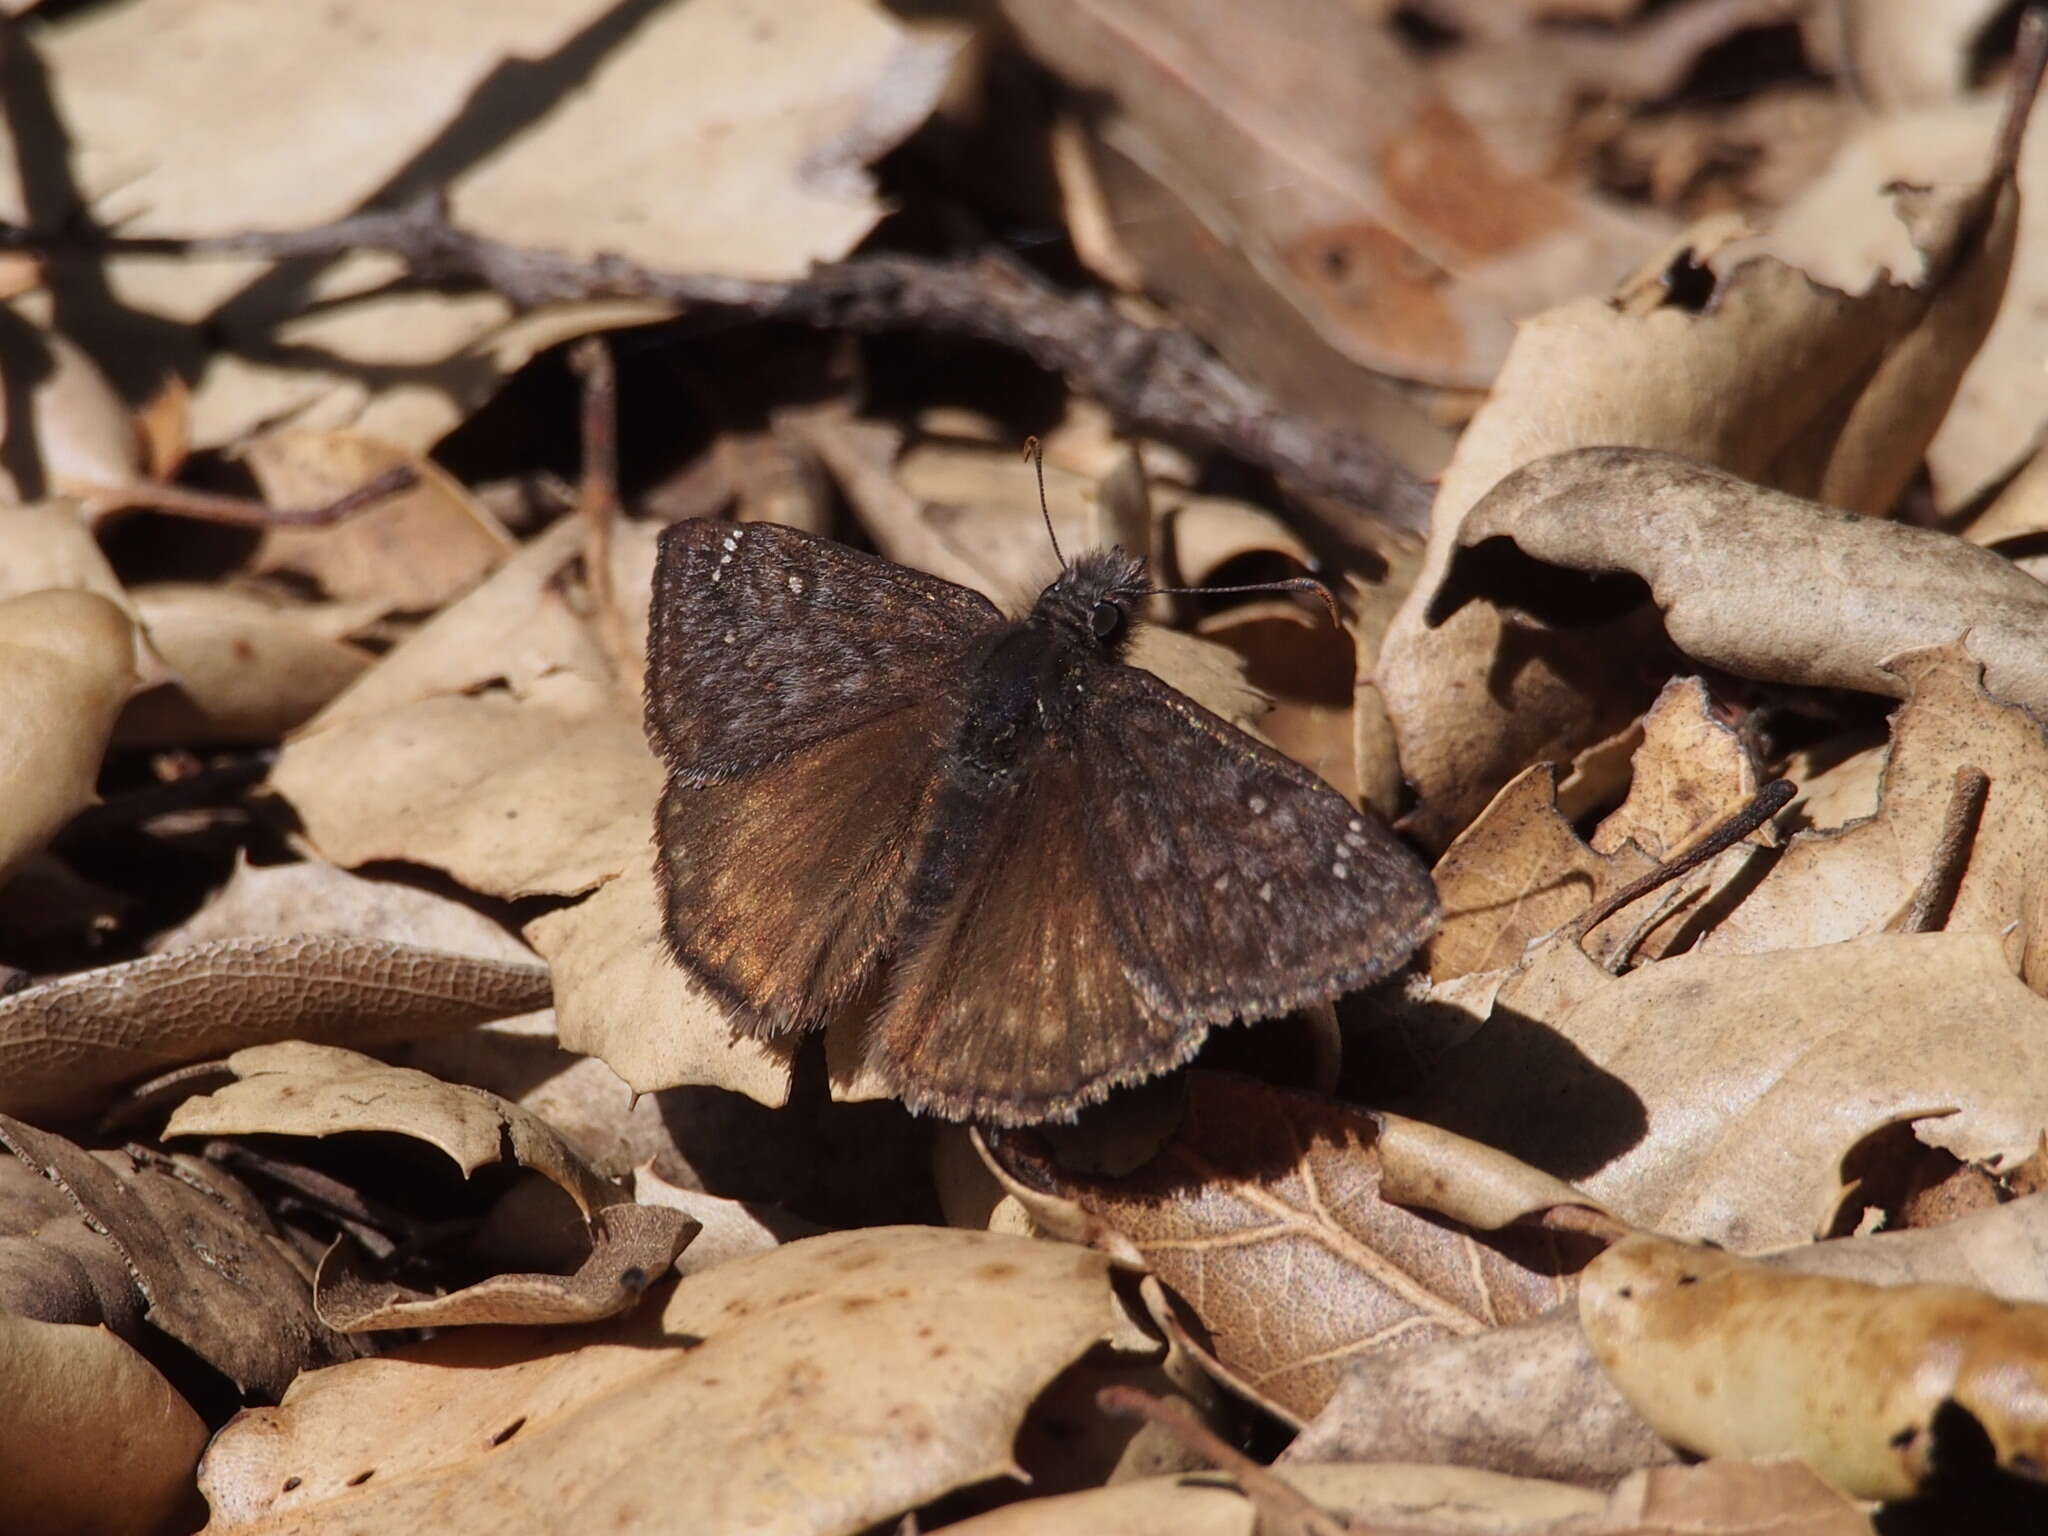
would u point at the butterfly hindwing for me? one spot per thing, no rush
(1239, 883)
(801, 693)
(1009, 1000)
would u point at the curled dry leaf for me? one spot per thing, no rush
(819, 1388)
(215, 1274)
(412, 550)
(1764, 381)
(1520, 870)
(67, 1043)
(1263, 1211)
(243, 668)
(1765, 584)
(1720, 1095)
(67, 664)
(297, 1089)
(1422, 1500)
(1848, 881)
(1730, 1357)
(83, 1402)
(54, 1266)
(631, 1246)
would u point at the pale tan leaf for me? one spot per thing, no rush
(737, 133)
(1527, 1400)
(67, 424)
(67, 665)
(81, 1403)
(631, 1247)
(1764, 383)
(412, 550)
(1723, 1356)
(1719, 1095)
(728, 1229)
(1424, 1500)
(284, 899)
(1847, 881)
(296, 1088)
(620, 996)
(775, 1391)
(67, 1043)
(243, 669)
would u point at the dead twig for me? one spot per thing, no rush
(1158, 381)
(241, 511)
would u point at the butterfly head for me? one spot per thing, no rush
(1095, 599)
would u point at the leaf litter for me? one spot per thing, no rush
(372, 1164)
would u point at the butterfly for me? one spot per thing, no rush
(1072, 870)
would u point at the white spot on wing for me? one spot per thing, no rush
(1339, 869)
(732, 541)
(729, 637)
(1257, 804)
(1222, 882)
(1356, 825)
(1266, 891)
(796, 585)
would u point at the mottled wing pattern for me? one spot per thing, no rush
(801, 694)
(1240, 885)
(764, 640)
(1011, 1003)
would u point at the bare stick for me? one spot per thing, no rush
(241, 511)
(1157, 380)
(1770, 800)
(597, 498)
(1274, 1495)
(1936, 895)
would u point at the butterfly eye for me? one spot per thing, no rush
(1106, 620)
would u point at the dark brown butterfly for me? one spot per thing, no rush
(1075, 869)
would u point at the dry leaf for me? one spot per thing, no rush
(1520, 871)
(284, 899)
(1727, 1357)
(1780, 379)
(1362, 195)
(620, 996)
(1424, 1500)
(74, 433)
(412, 550)
(1528, 1400)
(1720, 1095)
(728, 1229)
(1847, 881)
(736, 133)
(68, 1042)
(297, 1089)
(243, 669)
(1263, 1211)
(213, 1270)
(772, 1391)
(67, 664)
(1769, 586)
(82, 1405)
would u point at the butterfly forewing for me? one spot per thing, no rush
(764, 640)
(1240, 885)
(800, 693)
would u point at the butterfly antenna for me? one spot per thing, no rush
(1295, 584)
(1035, 452)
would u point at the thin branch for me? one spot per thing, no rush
(242, 511)
(1158, 381)
(1935, 896)
(1770, 800)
